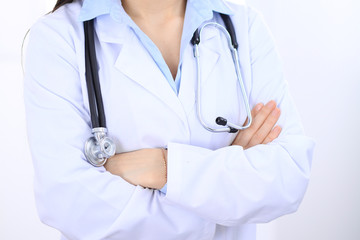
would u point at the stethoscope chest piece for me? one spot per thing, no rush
(99, 147)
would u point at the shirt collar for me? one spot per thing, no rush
(94, 8)
(212, 5)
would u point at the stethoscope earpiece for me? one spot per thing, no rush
(221, 121)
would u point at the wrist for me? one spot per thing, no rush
(164, 151)
(157, 177)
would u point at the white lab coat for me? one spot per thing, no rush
(215, 191)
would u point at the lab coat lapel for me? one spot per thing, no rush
(209, 57)
(135, 62)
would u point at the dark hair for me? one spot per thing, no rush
(60, 3)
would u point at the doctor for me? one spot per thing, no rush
(212, 185)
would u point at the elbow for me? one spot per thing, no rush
(263, 206)
(289, 199)
(278, 188)
(293, 174)
(286, 191)
(51, 207)
(279, 201)
(288, 188)
(71, 210)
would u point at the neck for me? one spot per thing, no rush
(154, 9)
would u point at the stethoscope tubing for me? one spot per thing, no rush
(230, 127)
(96, 104)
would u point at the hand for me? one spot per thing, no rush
(145, 167)
(262, 130)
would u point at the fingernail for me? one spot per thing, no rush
(277, 129)
(275, 112)
(258, 107)
(271, 104)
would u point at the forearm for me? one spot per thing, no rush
(145, 167)
(252, 186)
(148, 167)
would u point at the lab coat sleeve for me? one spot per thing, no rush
(231, 185)
(81, 201)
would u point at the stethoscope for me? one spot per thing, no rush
(100, 147)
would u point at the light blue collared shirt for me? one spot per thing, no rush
(197, 12)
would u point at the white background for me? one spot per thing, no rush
(319, 41)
